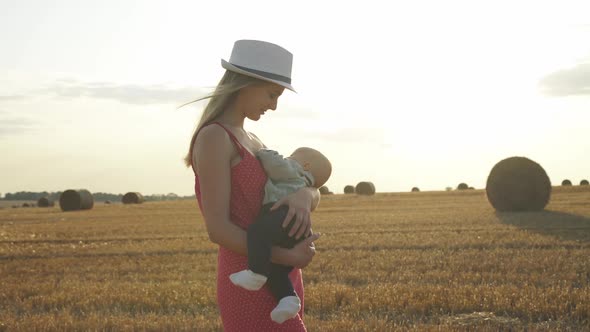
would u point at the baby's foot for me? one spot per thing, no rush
(248, 280)
(287, 308)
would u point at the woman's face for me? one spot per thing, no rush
(255, 100)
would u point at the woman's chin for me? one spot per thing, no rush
(255, 117)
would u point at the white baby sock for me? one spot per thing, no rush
(287, 308)
(248, 280)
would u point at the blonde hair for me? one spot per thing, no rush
(225, 92)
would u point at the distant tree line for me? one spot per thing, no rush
(99, 196)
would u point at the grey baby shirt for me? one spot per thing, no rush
(285, 175)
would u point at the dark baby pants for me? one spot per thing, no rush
(264, 233)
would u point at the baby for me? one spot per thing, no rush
(305, 167)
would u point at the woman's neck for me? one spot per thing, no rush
(232, 118)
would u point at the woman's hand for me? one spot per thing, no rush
(303, 252)
(299, 204)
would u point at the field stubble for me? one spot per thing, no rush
(394, 261)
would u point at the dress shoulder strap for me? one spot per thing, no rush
(237, 143)
(233, 138)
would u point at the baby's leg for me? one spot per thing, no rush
(281, 287)
(278, 281)
(262, 234)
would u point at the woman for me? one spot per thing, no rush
(229, 182)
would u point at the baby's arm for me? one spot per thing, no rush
(276, 167)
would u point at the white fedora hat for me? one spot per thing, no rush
(262, 60)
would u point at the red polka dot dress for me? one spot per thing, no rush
(241, 309)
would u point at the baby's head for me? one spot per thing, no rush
(315, 162)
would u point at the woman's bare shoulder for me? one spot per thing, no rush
(212, 140)
(211, 133)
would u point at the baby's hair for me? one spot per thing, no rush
(321, 168)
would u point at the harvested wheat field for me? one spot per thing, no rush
(424, 261)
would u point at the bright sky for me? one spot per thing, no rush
(400, 93)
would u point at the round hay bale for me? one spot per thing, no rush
(349, 189)
(132, 198)
(415, 189)
(107, 202)
(45, 202)
(72, 200)
(26, 205)
(365, 188)
(324, 190)
(462, 186)
(566, 182)
(584, 183)
(518, 184)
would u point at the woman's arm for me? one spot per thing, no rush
(300, 256)
(212, 156)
